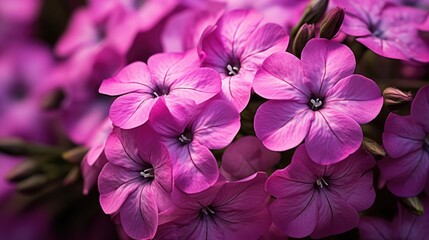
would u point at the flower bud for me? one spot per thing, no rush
(22, 171)
(393, 96)
(75, 155)
(373, 147)
(305, 34)
(331, 23)
(72, 176)
(414, 205)
(32, 185)
(315, 11)
(53, 100)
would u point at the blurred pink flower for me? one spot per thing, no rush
(317, 98)
(245, 157)
(319, 200)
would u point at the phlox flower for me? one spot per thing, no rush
(317, 200)
(317, 98)
(166, 76)
(235, 47)
(228, 210)
(388, 30)
(405, 225)
(406, 140)
(245, 157)
(189, 132)
(136, 182)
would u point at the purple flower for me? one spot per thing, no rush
(245, 157)
(235, 47)
(406, 140)
(228, 210)
(388, 30)
(189, 132)
(318, 99)
(166, 76)
(136, 182)
(321, 200)
(404, 226)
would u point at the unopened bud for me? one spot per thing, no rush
(373, 147)
(32, 185)
(315, 11)
(72, 176)
(414, 205)
(75, 155)
(393, 96)
(24, 170)
(53, 100)
(305, 34)
(331, 23)
(18, 147)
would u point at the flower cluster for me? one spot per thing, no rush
(226, 119)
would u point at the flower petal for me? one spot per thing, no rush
(199, 85)
(131, 110)
(357, 97)
(326, 62)
(216, 125)
(237, 89)
(139, 214)
(332, 137)
(402, 135)
(281, 78)
(371, 228)
(195, 169)
(420, 108)
(132, 78)
(282, 125)
(115, 185)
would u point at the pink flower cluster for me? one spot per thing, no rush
(196, 120)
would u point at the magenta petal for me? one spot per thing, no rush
(195, 169)
(420, 108)
(281, 78)
(113, 191)
(167, 67)
(357, 97)
(237, 89)
(139, 214)
(375, 229)
(199, 85)
(246, 156)
(402, 135)
(267, 36)
(335, 216)
(282, 125)
(297, 216)
(414, 183)
(170, 115)
(216, 125)
(326, 62)
(131, 110)
(332, 137)
(118, 152)
(132, 78)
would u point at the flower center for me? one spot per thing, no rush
(160, 91)
(208, 211)
(321, 182)
(315, 104)
(185, 137)
(426, 143)
(148, 173)
(376, 31)
(232, 70)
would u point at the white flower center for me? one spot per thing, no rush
(321, 182)
(232, 70)
(208, 211)
(316, 103)
(148, 173)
